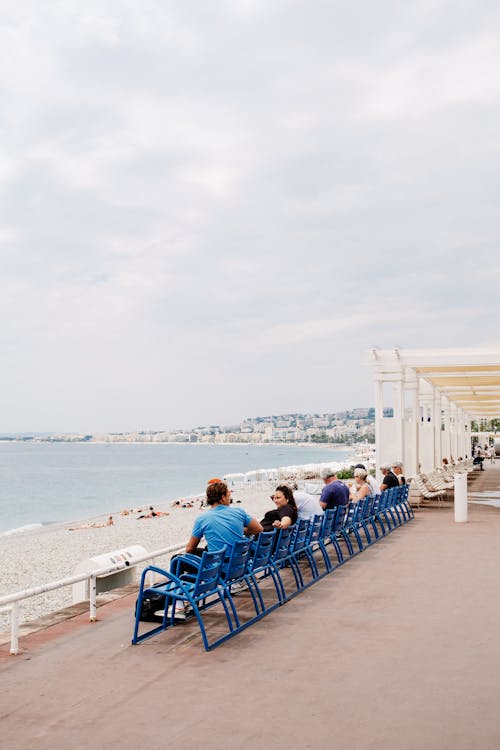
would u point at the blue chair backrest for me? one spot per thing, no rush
(300, 536)
(328, 521)
(263, 549)
(352, 512)
(315, 528)
(340, 517)
(282, 544)
(208, 572)
(370, 500)
(235, 565)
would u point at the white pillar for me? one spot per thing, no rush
(426, 434)
(453, 431)
(436, 417)
(389, 430)
(445, 434)
(410, 424)
(460, 502)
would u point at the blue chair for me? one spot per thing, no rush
(280, 555)
(336, 533)
(233, 572)
(193, 589)
(370, 516)
(326, 536)
(350, 528)
(315, 532)
(259, 567)
(297, 547)
(378, 505)
(404, 502)
(361, 518)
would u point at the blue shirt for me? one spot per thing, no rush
(221, 525)
(335, 493)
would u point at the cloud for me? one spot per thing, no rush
(210, 211)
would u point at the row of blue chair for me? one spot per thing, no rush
(309, 549)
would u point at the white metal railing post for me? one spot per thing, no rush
(14, 629)
(10, 602)
(93, 597)
(460, 503)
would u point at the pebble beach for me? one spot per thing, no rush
(37, 557)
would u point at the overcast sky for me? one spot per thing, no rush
(212, 210)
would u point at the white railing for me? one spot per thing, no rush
(10, 602)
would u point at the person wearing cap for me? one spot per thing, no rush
(389, 479)
(334, 492)
(397, 468)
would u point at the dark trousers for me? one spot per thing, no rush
(178, 567)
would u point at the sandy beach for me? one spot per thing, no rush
(43, 555)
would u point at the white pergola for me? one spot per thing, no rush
(434, 394)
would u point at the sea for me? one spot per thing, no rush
(46, 483)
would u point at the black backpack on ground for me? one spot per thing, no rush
(152, 603)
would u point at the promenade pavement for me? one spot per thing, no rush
(397, 649)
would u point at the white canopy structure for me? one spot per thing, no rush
(434, 394)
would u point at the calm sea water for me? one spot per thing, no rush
(47, 483)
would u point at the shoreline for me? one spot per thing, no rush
(34, 526)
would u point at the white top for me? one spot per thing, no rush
(374, 485)
(307, 505)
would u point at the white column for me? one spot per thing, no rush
(460, 499)
(410, 425)
(436, 418)
(389, 430)
(445, 434)
(453, 431)
(426, 434)
(379, 412)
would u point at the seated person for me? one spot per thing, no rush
(389, 479)
(221, 525)
(307, 505)
(334, 492)
(360, 488)
(285, 513)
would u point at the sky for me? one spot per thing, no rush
(211, 211)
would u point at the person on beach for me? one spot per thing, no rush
(334, 492)
(389, 479)
(284, 514)
(109, 522)
(153, 513)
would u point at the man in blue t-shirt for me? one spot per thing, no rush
(334, 492)
(221, 525)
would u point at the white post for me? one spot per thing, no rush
(14, 629)
(93, 598)
(461, 498)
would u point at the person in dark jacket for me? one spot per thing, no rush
(389, 479)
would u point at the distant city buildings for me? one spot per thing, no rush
(338, 427)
